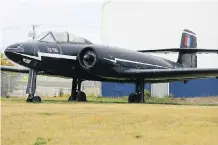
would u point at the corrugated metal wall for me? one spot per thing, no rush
(194, 88)
(119, 89)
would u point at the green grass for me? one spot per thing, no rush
(90, 99)
(121, 100)
(40, 141)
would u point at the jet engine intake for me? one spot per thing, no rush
(87, 58)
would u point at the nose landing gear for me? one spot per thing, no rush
(31, 87)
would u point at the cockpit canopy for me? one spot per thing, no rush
(61, 37)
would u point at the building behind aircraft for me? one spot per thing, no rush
(155, 25)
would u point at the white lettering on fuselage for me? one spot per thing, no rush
(26, 60)
(52, 50)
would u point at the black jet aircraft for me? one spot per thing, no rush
(66, 55)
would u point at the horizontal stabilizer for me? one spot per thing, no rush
(181, 50)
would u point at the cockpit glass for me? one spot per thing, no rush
(40, 36)
(48, 38)
(62, 37)
(76, 39)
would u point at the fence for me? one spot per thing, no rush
(14, 84)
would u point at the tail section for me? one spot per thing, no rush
(188, 40)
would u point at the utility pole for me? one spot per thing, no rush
(32, 33)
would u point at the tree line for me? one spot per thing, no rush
(4, 61)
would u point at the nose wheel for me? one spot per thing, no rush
(29, 98)
(33, 99)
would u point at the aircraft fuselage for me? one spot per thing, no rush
(61, 59)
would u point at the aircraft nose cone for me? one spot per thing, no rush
(13, 49)
(17, 47)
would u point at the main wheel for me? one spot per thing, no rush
(134, 98)
(36, 99)
(137, 98)
(73, 98)
(81, 96)
(131, 98)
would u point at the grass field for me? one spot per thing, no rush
(56, 121)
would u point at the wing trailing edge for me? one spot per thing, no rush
(182, 50)
(167, 75)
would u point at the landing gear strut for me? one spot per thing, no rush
(138, 96)
(31, 87)
(76, 93)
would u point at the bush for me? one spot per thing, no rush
(147, 94)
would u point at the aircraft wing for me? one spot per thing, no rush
(182, 50)
(14, 69)
(168, 75)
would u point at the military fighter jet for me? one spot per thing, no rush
(66, 55)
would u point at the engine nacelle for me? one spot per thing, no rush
(92, 60)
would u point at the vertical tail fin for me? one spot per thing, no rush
(188, 40)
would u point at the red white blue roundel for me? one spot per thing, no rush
(188, 40)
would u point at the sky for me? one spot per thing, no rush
(82, 17)
(156, 25)
(78, 17)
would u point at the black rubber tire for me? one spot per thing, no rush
(36, 99)
(137, 98)
(29, 98)
(134, 98)
(81, 96)
(131, 98)
(74, 98)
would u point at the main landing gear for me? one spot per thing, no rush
(31, 87)
(76, 93)
(138, 96)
